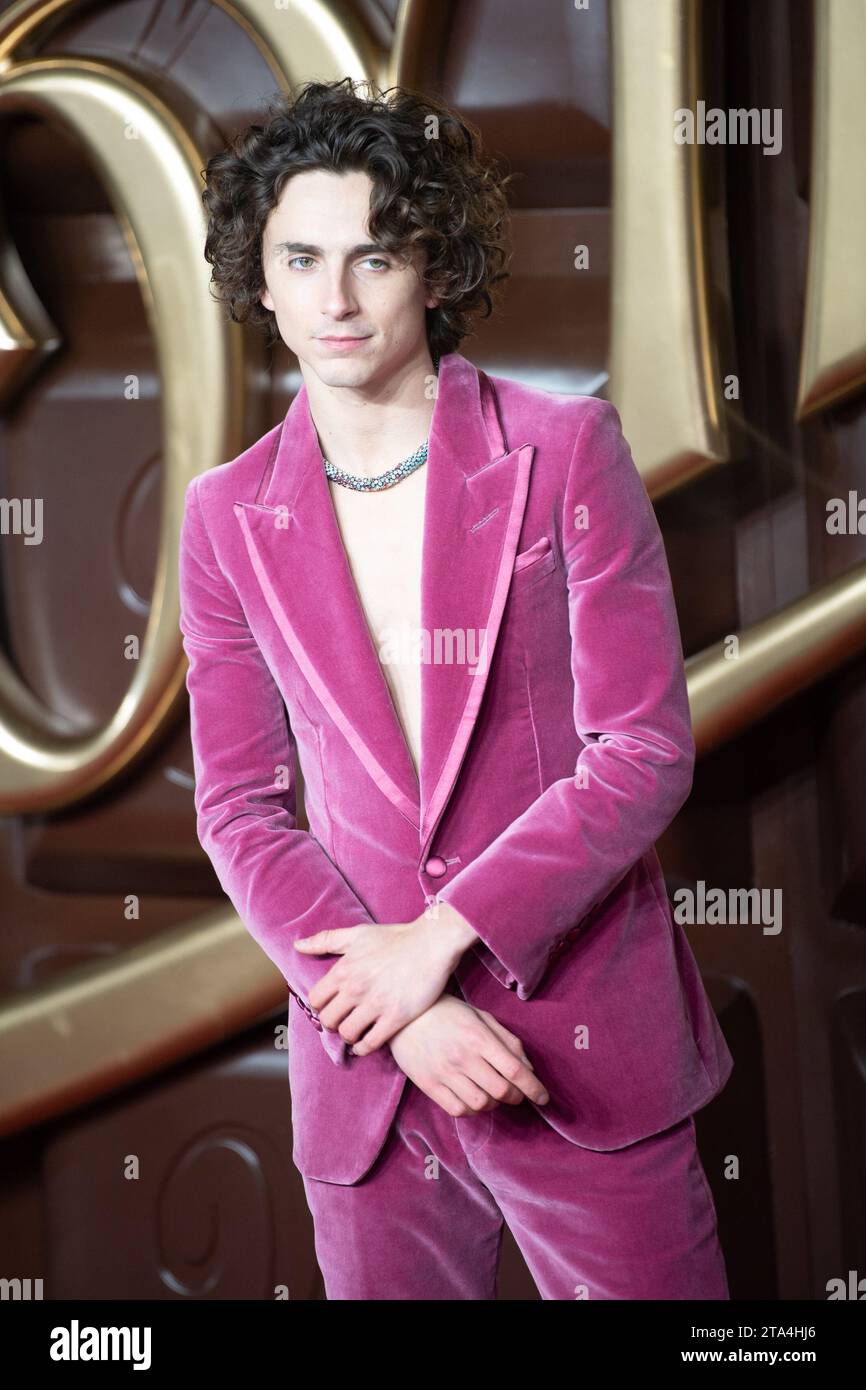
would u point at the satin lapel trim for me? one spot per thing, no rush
(261, 526)
(470, 541)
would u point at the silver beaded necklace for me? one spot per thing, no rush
(381, 480)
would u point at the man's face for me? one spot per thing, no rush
(330, 282)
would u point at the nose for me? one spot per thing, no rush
(339, 300)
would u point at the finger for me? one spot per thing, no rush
(470, 1093)
(381, 1032)
(335, 1014)
(335, 996)
(355, 1024)
(503, 1091)
(514, 1070)
(325, 994)
(322, 943)
(311, 944)
(512, 1042)
(446, 1099)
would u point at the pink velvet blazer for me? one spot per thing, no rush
(556, 747)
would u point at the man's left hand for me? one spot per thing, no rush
(389, 974)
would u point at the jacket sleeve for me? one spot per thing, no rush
(532, 886)
(279, 879)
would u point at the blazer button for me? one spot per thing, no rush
(436, 867)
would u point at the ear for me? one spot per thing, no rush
(265, 298)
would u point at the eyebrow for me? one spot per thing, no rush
(305, 248)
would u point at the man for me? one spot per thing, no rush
(497, 1018)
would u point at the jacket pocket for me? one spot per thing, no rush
(531, 556)
(531, 564)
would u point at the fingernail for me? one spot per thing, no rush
(544, 1098)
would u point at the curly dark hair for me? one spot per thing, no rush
(432, 188)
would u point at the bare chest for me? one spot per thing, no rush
(382, 535)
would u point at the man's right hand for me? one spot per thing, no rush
(464, 1059)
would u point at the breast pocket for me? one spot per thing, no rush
(532, 564)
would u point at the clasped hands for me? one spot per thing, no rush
(388, 974)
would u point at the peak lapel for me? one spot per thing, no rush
(475, 501)
(297, 553)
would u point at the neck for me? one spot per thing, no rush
(367, 432)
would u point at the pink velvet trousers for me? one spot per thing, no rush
(426, 1221)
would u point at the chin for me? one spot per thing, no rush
(342, 373)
